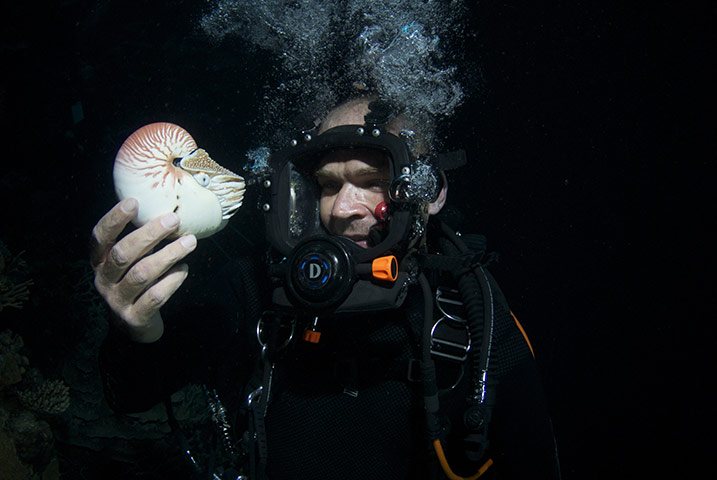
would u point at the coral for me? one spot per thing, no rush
(26, 441)
(10, 263)
(49, 397)
(10, 371)
(12, 363)
(85, 294)
(10, 342)
(13, 279)
(13, 295)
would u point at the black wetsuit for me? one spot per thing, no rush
(345, 407)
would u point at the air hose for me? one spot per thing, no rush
(468, 285)
(471, 280)
(428, 366)
(447, 468)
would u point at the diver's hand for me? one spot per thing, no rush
(134, 282)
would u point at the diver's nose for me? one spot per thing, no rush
(348, 203)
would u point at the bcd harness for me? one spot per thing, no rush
(466, 322)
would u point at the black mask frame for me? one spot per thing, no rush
(304, 155)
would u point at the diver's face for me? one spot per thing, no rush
(353, 182)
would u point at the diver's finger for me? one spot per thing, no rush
(155, 297)
(151, 268)
(135, 245)
(106, 231)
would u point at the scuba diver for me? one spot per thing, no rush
(370, 342)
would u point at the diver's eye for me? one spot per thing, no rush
(379, 185)
(329, 188)
(202, 179)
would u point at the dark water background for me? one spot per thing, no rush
(590, 139)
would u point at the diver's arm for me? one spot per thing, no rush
(210, 331)
(521, 431)
(134, 282)
(136, 376)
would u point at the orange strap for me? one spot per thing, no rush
(447, 469)
(520, 327)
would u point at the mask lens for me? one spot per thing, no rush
(293, 213)
(303, 212)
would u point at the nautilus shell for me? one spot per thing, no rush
(161, 166)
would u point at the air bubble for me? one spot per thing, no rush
(396, 48)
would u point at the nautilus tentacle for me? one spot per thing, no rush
(161, 166)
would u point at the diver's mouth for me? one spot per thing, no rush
(360, 240)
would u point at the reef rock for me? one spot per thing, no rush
(10, 372)
(33, 439)
(11, 468)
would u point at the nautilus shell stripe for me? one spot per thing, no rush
(149, 153)
(161, 166)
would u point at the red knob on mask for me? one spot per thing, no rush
(381, 212)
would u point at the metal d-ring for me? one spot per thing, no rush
(259, 332)
(445, 296)
(449, 349)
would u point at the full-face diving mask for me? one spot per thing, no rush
(327, 273)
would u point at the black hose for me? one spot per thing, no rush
(428, 366)
(472, 281)
(469, 286)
